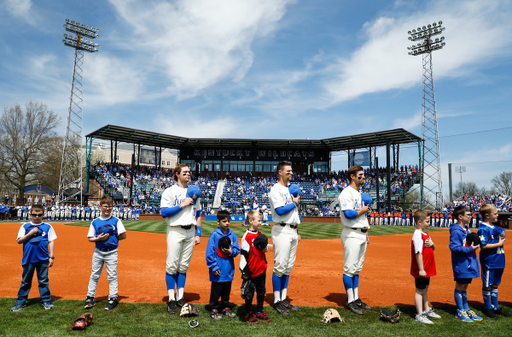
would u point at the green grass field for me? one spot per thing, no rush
(151, 319)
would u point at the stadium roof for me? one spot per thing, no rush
(148, 138)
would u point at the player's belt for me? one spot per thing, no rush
(291, 226)
(363, 230)
(186, 227)
(106, 249)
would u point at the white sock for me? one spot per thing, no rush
(171, 295)
(283, 294)
(350, 295)
(356, 293)
(277, 296)
(179, 295)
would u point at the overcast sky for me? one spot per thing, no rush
(273, 69)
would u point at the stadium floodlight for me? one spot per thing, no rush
(426, 39)
(80, 38)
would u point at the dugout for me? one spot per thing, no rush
(227, 157)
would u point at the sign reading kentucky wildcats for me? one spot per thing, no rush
(360, 159)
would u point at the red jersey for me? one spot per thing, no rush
(429, 263)
(252, 260)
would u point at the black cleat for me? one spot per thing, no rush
(171, 307)
(181, 302)
(289, 306)
(363, 305)
(352, 306)
(489, 313)
(280, 308)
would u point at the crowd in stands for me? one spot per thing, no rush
(503, 203)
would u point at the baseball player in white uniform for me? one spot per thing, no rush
(285, 236)
(354, 237)
(183, 218)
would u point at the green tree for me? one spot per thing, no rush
(27, 144)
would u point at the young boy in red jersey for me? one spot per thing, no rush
(253, 265)
(423, 266)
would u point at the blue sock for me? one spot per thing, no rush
(355, 279)
(171, 280)
(284, 282)
(465, 300)
(486, 294)
(348, 281)
(459, 301)
(181, 280)
(494, 298)
(276, 283)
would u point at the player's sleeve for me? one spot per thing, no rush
(120, 227)
(418, 242)
(244, 256)
(211, 261)
(235, 248)
(346, 201)
(285, 209)
(456, 244)
(483, 235)
(92, 231)
(21, 232)
(51, 234)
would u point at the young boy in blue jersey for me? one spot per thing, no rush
(38, 239)
(492, 260)
(220, 252)
(464, 263)
(105, 232)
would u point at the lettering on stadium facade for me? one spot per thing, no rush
(244, 154)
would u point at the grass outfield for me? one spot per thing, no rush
(144, 319)
(307, 230)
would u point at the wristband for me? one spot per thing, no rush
(199, 230)
(51, 257)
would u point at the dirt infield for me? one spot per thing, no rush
(316, 279)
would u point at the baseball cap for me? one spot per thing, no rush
(224, 242)
(260, 242)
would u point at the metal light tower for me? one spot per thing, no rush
(431, 170)
(70, 182)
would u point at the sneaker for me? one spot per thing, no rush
(226, 311)
(18, 307)
(47, 305)
(263, 316)
(214, 314)
(352, 306)
(431, 314)
(171, 307)
(111, 304)
(181, 302)
(463, 316)
(250, 318)
(279, 307)
(489, 313)
(423, 319)
(473, 316)
(89, 302)
(363, 305)
(289, 306)
(501, 312)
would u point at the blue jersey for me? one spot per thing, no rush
(35, 250)
(490, 258)
(112, 225)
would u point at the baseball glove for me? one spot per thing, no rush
(247, 290)
(393, 317)
(331, 316)
(189, 310)
(82, 322)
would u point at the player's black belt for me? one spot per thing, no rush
(106, 249)
(363, 230)
(291, 226)
(186, 227)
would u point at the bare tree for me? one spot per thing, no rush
(502, 183)
(466, 189)
(27, 141)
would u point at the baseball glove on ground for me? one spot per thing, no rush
(189, 310)
(82, 322)
(393, 317)
(247, 290)
(331, 316)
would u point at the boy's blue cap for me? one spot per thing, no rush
(294, 190)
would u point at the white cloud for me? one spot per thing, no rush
(408, 123)
(195, 127)
(475, 32)
(19, 8)
(199, 42)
